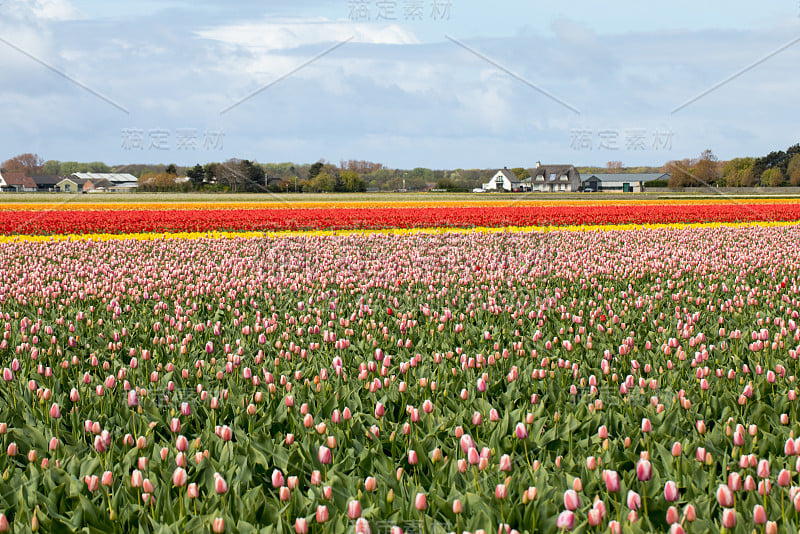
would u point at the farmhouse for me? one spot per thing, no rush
(504, 180)
(544, 178)
(627, 183)
(554, 178)
(16, 182)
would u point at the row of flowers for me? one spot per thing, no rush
(636, 381)
(127, 221)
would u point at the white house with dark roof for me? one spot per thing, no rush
(504, 180)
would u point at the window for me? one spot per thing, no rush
(553, 177)
(66, 188)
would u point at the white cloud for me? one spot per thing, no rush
(293, 33)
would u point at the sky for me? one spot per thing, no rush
(441, 84)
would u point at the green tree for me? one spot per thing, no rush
(71, 167)
(51, 166)
(315, 169)
(171, 169)
(772, 177)
(352, 182)
(521, 173)
(97, 166)
(793, 170)
(323, 182)
(738, 172)
(196, 176)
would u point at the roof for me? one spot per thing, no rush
(563, 173)
(74, 180)
(47, 179)
(100, 183)
(18, 179)
(629, 177)
(110, 176)
(509, 174)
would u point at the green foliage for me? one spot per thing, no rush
(772, 177)
(521, 173)
(51, 167)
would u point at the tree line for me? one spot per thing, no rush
(776, 169)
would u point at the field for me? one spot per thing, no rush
(495, 365)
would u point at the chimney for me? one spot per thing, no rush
(538, 164)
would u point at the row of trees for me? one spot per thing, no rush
(33, 165)
(241, 175)
(776, 169)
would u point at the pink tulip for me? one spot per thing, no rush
(566, 520)
(136, 479)
(179, 477)
(571, 500)
(611, 478)
(218, 526)
(729, 518)
(220, 486)
(325, 456)
(724, 496)
(107, 478)
(55, 411)
(500, 491)
(644, 470)
(420, 502)
(521, 431)
(672, 515)
(671, 493)
(277, 478)
(301, 525)
(763, 468)
(192, 491)
(759, 515)
(633, 500)
(354, 509)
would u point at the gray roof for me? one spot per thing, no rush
(46, 179)
(628, 177)
(510, 175)
(563, 173)
(110, 176)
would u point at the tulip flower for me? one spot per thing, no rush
(218, 525)
(571, 500)
(759, 515)
(220, 486)
(301, 525)
(671, 493)
(644, 470)
(633, 500)
(324, 455)
(565, 520)
(420, 502)
(354, 509)
(611, 479)
(179, 477)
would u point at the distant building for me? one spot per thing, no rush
(544, 179)
(96, 182)
(626, 183)
(504, 180)
(16, 182)
(555, 178)
(47, 182)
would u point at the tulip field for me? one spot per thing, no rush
(604, 367)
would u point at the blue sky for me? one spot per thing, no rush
(434, 83)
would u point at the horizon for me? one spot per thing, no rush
(455, 85)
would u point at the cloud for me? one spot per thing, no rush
(294, 33)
